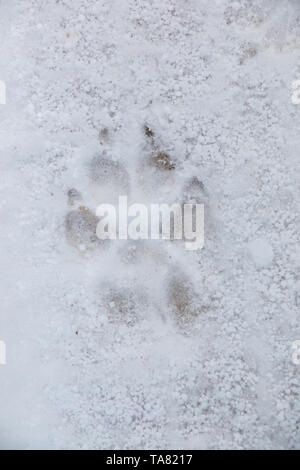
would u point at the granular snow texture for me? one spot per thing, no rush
(142, 344)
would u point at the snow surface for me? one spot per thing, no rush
(135, 345)
(261, 252)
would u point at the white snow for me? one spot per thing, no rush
(261, 252)
(143, 344)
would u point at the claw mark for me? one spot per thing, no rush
(162, 161)
(73, 196)
(103, 135)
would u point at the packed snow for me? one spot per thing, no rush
(124, 344)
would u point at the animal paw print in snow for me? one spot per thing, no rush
(106, 176)
(156, 170)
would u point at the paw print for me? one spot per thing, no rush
(123, 305)
(80, 224)
(158, 158)
(185, 304)
(108, 178)
(104, 172)
(156, 168)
